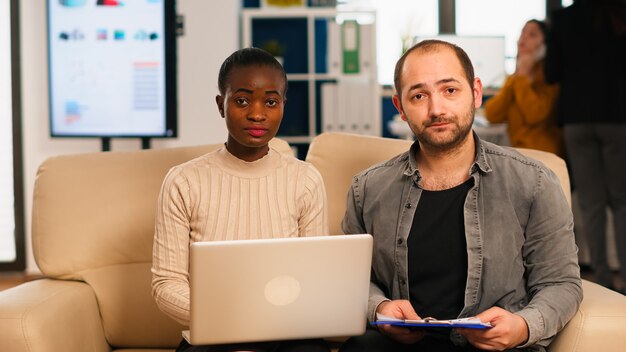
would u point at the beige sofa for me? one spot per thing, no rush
(92, 231)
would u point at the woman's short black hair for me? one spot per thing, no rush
(248, 57)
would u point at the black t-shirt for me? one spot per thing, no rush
(437, 253)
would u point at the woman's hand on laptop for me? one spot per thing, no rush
(400, 309)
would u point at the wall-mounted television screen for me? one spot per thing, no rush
(112, 68)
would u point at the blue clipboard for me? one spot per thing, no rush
(467, 323)
(435, 324)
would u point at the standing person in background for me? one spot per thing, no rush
(586, 55)
(526, 101)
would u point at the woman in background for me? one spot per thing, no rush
(525, 100)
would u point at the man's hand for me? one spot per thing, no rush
(400, 309)
(509, 330)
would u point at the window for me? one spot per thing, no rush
(497, 17)
(11, 198)
(398, 21)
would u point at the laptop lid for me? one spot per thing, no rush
(279, 289)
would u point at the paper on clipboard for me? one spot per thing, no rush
(469, 323)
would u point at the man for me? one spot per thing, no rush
(461, 227)
(587, 48)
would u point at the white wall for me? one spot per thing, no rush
(211, 34)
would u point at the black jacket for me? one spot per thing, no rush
(588, 59)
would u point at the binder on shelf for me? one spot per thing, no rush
(329, 106)
(322, 3)
(351, 106)
(344, 110)
(283, 3)
(350, 42)
(344, 114)
(359, 115)
(334, 48)
(367, 49)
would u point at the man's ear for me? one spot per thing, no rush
(219, 100)
(478, 92)
(397, 102)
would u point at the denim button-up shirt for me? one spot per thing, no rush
(519, 233)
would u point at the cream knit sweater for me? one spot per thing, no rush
(220, 197)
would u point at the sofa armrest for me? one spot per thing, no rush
(599, 324)
(51, 315)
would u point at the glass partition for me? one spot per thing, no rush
(11, 193)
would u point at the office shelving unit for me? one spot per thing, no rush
(312, 39)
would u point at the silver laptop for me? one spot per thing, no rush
(278, 289)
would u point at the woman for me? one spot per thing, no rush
(525, 100)
(244, 190)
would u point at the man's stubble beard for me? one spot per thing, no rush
(446, 144)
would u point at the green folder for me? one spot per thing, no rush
(350, 39)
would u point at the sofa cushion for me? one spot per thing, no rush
(130, 316)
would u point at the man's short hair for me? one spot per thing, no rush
(432, 45)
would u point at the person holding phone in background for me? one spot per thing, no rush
(525, 100)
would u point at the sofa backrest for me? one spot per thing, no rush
(339, 156)
(93, 221)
